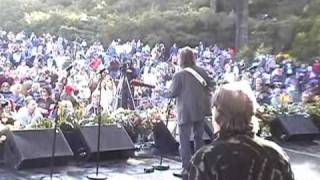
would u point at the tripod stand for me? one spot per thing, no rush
(122, 93)
(98, 176)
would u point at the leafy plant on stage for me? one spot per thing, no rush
(268, 113)
(286, 107)
(69, 117)
(106, 119)
(136, 122)
(313, 109)
(149, 118)
(291, 109)
(42, 124)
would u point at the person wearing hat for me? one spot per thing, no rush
(69, 95)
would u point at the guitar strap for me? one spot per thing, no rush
(197, 76)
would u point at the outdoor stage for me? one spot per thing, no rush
(304, 156)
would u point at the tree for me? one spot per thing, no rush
(217, 5)
(11, 15)
(242, 26)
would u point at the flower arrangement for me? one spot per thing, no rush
(265, 115)
(106, 119)
(137, 123)
(268, 113)
(70, 117)
(284, 101)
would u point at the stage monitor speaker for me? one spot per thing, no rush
(163, 139)
(294, 127)
(33, 148)
(1, 154)
(115, 142)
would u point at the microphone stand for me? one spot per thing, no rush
(55, 110)
(161, 167)
(98, 176)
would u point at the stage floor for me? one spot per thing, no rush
(304, 156)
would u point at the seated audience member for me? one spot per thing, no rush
(69, 95)
(5, 90)
(8, 113)
(261, 92)
(45, 102)
(237, 154)
(3, 128)
(17, 97)
(28, 114)
(93, 108)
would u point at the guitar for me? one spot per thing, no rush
(137, 82)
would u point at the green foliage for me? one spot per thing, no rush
(42, 124)
(293, 27)
(268, 113)
(106, 119)
(313, 110)
(11, 14)
(245, 53)
(312, 8)
(307, 44)
(262, 49)
(258, 7)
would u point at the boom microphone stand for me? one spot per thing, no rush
(98, 176)
(55, 110)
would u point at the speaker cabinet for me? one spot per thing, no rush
(163, 139)
(165, 142)
(115, 143)
(33, 148)
(294, 127)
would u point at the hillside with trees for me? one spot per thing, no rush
(290, 26)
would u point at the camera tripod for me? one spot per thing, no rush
(123, 93)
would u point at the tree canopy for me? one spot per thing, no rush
(291, 26)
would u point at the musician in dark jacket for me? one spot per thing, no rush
(193, 104)
(237, 154)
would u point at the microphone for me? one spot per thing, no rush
(101, 70)
(69, 68)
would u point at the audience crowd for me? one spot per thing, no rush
(33, 71)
